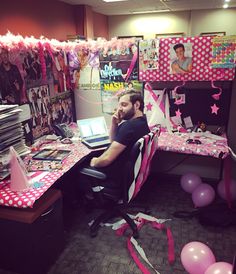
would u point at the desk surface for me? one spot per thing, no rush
(217, 148)
(167, 142)
(28, 197)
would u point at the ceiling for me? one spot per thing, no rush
(138, 6)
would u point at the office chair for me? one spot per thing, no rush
(135, 173)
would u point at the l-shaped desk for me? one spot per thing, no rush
(210, 146)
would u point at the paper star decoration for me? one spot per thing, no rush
(149, 107)
(214, 109)
(178, 113)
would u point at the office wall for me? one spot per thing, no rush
(191, 23)
(52, 19)
(100, 25)
(148, 24)
(49, 18)
(213, 20)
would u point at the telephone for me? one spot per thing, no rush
(63, 130)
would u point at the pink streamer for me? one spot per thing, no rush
(216, 96)
(178, 102)
(135, 257)
(132, 64)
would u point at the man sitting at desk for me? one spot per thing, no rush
(127, 126)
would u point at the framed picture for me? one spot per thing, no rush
(222, 33)
(138, 37)
(170, 35)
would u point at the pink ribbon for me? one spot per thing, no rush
(216, 96)
(131, 67)
(142, 222)
(135, 257)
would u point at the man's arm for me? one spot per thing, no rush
(108, 156)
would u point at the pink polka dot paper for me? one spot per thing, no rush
(201, 63)
(28, 197)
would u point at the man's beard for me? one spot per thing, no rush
(130, 114)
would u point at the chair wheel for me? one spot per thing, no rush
(93, 233)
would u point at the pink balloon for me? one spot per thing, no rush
(221, 190)
(190, 181)
(203, 195)
(196, 257)
(220, 268)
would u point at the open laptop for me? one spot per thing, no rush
(93, 132)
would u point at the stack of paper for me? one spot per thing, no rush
(11, 134)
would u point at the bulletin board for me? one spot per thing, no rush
(199, 99)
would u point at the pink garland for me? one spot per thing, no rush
(11, 41)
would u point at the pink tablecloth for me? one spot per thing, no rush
(210, 145)
(46, 179)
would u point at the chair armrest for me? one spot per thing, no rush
(93, 173)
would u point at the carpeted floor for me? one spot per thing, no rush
(107, 253)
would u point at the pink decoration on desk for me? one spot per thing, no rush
(19, 180)
(29, 196)
(214, 109)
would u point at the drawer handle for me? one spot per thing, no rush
(47, 212)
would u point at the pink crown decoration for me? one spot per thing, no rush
(19, 180)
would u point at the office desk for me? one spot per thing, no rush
(175, 142)
(167, 142)
(27, 198)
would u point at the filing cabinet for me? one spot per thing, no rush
(31, 239)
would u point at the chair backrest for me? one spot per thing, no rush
(140, 161)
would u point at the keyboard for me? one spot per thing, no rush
(99, 139)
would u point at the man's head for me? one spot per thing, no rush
(131, 105)
(4, 56)
(179, 50)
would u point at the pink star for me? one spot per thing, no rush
(178, 113)
(149, 107)
(214, 109)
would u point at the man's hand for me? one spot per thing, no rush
(93, 161)
(116, 118)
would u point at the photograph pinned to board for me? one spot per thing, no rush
(40, 108)
(149, 54)
(181, 58)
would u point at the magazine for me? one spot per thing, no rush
(51, 154)
(42, 165)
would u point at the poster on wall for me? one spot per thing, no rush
(89, 73)
(60, 73)
(40, 108)
(149, 54)
(110, 92)
(180, 58)
(12, 86)
(62, 109)
(119, 65)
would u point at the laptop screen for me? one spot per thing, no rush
(92, 127)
